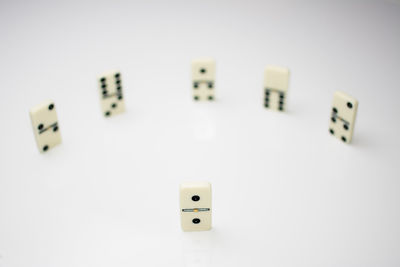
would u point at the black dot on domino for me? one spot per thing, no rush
(346, 127)
(108, 113)
(196, 220)
(55, 128)
(333, 119)
(196, 98)
(51, 106)
(120, 97)
(210, 85)
(210, 98)
(331, 131)
(40, 127)
(195, 198)
(334, 110)
(344, 139)
(117, 75)
(349, 105)
(195, 85)
(45, 148)
(113, 105)
(103, 79)
(202, 70)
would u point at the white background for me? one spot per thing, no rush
(285, 192)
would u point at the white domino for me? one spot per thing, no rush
(203, 79)
(343, 116)
(111, 96)
(195, 205)
(276, 82)
(45, 125)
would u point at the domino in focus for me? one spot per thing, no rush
(203, 79)
(195, 205)
(276, 81)
(45, 125)
(343, 116)
(111, 97)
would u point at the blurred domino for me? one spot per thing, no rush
(195, 204)
(45, 125)
(343, 116)
(111, 97)
(203, 76)
(276, 81)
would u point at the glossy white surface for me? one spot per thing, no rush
(285, 193)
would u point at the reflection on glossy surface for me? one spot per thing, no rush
(2, 263)
(204, 126)
(197, 249)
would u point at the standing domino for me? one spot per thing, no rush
(343, 116)
(45, 125)
(111, 98)
(203, 76)
(195, 203)
(276, 81)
